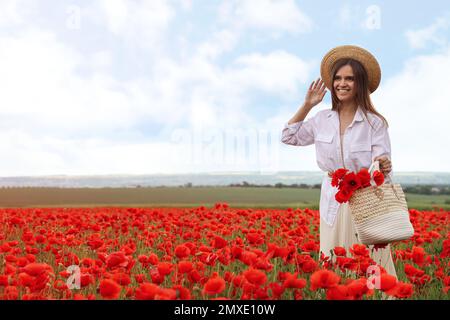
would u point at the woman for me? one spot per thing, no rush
(352, 135)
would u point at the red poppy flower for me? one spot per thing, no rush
(156, 277)
(364, 177)
(343, 195)
(238, 281)
(340, 251)
(248, 257)
(214, 285)
(182, 251)
(293, 282)
(345, 263)
(351, 182)
(35, 269)
(121, 278)
(139, 277)
(255, 276)
(338, 175)
(335, 182)
(182, 292)
(165, 268)
(194, 276)
(339, 292)
(387, 282)
(185, 266)
(309, 266)
(60, 285)
(166, 294)
(22, 262)
(446, 281)
(357, 288)
(219, 242)
(413, 272)
(418, 255)
(143, 259)
(255, 238)
(10, 293)
(4, 280)
(153, 259)
(324, 279)
(95, 243)
(25, 279)
(261, 293)
(359, 250)
(109, 289)
(116, 260)
(401, 290)
(86, 279)
(277, 289)
(146, 291)
(378, 177)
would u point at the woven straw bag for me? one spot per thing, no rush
(380, 214)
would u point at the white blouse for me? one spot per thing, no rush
(361, 144)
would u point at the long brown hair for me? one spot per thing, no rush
(362, 96)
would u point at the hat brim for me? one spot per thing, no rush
(368, 61)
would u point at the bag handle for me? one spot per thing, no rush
(378, 192)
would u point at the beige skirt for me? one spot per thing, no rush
(343, 234)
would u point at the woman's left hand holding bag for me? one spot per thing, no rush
(385, 164)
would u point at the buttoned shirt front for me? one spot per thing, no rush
(361, 143)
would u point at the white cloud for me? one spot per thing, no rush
(41, 83)
(278, 72)
(101, 60)
(351, 17)
(221, 42)
(15, 12)
(198, 91)
(49, 155)
(269, 15)
(140, 22)
(434, 33)
(56, 119)
(186, 4)
(416, 105)
(346, 16)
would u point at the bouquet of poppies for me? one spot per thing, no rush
(348, 182)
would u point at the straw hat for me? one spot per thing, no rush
(361, 55)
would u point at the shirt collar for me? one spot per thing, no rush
(358, 116)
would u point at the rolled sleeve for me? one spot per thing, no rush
(298, 134)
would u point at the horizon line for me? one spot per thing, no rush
(196, 173)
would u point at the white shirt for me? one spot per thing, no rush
(361, 144)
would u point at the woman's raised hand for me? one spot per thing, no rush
(315, 93)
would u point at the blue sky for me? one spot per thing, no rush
(135, 87)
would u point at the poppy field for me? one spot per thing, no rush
(209, 253)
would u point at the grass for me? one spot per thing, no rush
(238, 197)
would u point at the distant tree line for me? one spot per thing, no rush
(427, 189)
(276, 185)
(246, 184)
(416, 189)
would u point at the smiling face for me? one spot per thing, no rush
(344, 84)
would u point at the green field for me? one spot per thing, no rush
(185, 197)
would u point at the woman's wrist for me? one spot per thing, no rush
(308, 106)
